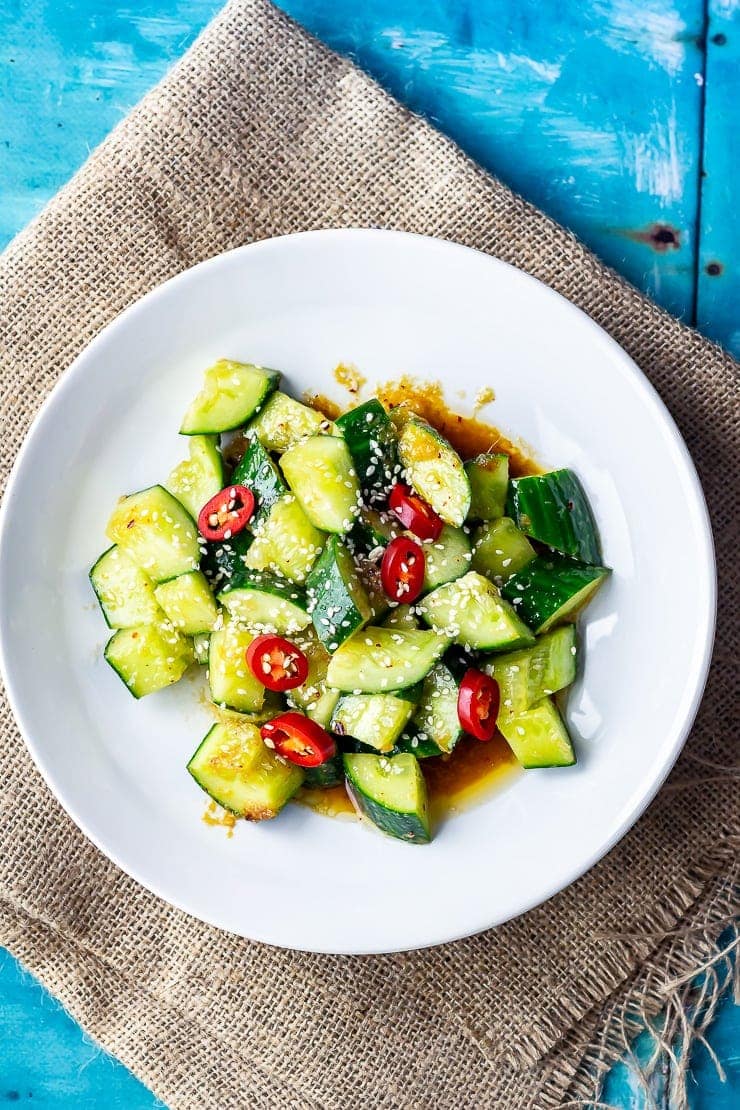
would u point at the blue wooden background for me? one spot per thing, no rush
(618, 117)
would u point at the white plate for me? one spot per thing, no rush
(392, 304)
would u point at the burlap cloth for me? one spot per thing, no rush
(260, 131)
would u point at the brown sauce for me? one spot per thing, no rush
(474, 769)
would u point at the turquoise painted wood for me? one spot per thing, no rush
(610, 115)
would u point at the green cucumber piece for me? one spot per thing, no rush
(188, 603)
(231, 681)
(376, 720)
(198, 478)
(337, 598)
(325, 775)
(416, 743)
(436, 721)
(500, 549)
(124, 592)
(258, 472)
(223, 560)
(371, 438)
(201, 643)
(525, 677)
(552, 589)
(154, 530)
(553, 508)
(265, 602)
(284, 421)
(391, 793)
(435, 470)
(314, 698)
(378, 660)
(240, 774)
(272, 706)
(446, 558)
(149, 657)
(472, 612)
(285, 542)
(372, 531)
(321, 474)
(232, 393)
(489, 481)
(402, 616)
(538, 736)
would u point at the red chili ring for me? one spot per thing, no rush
(299, 739)
(226, 514)
(276, 662)
(477, 704)
(414, 513)
(402, 569)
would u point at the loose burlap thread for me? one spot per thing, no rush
(260, 131)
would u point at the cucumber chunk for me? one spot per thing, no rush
(371, 438)
(435, 470)
(376, 720)
(436, 721)
(321, 474)
(552, 589)
(337, 598)
(149, 657)
(525, 677)
(416, 743)
(553, 508)
(314, 698)
(198, 478)
(266, 602)
(188, 602)
(223, 560)
(240, 774)
(371, 531)
(232, 684)
(154, 530)
(403, 616)
(489, 481)
(285, 542)
(378, 660)
(447, 558)
(201, 644)
(325, 775)
(258, 472)
(284, 421)
(125, 593)
(538, 736)
(472, 612)
(232, 393)
(391, 793)
(500, 550)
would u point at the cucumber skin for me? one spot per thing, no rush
(362, 436)
(258, 472)
(553, 508)
(222, 561)
(422, 749)
(327, 588)
(325, 775)
(402, 826)
(544, 591)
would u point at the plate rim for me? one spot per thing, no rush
(649, 395)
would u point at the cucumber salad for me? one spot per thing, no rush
(360, 596)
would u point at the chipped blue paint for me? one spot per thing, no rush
(593, 111)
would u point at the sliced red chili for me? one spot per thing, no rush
(299, 739)
(414, 513)
(226, 514)
(477, 704)
(402, 569)
(277, 663)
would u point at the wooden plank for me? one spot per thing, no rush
(718, 285)
(592, 111)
